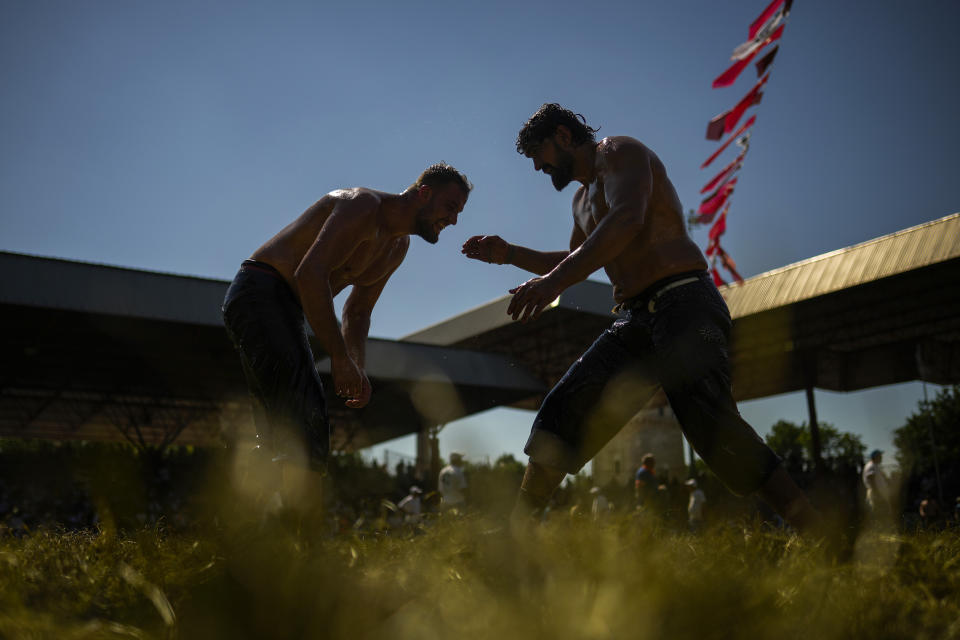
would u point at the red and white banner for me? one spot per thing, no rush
(765, 29)
(761, 29)
(728, 77)
(769, 14)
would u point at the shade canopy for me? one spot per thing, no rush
(100, 352)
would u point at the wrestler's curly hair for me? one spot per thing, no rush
(545, 121)
(442, 173)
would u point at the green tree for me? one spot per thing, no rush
(840, 451)
(790, 442)
(934, 427)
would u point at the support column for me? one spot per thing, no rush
(810, 375)
(428, 456)
(424, 458)
(814, 431)
(933, 445)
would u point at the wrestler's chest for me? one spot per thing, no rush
(589, 208)
(365, 263)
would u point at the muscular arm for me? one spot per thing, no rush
(539, 262)
(627, 187)
(350, 223)
(496, 250)
(359, 306)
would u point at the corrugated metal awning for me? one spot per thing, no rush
(914, 248)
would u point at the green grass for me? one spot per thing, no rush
(468, 578)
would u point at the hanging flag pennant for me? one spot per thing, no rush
(766, 60)
(729, 264)
(750, 47)
(725, 173)
(719, 226)
(706, 218)
(726, 121)
(763, 31)
(753, 97)
(728, 77)
(717, 280)
(715, 251)
(717, 200)
(763, 18)
(720, 189)
(716, 125)
(767, 28)
(746, 125)
(713, 247)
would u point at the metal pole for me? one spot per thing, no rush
(933, 446)
(814, 431)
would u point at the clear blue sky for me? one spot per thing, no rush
(177, 136)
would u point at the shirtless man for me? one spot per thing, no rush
(673, 329)
(350, 237)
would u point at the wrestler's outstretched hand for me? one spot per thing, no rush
(361, 400)
(492, 249)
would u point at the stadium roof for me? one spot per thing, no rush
(880, 312)
(924, 245)
(90, 349)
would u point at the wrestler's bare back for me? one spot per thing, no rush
(662, 248)
(374, 254)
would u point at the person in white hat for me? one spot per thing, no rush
(452, 482)
(600, 507)
(695, 505)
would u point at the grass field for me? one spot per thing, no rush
(242, 577)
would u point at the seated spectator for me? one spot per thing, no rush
(411, 506)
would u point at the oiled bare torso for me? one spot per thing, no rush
(662, 248)
(368, 262)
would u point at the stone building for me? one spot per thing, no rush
(653, 431)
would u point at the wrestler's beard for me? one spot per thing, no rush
(424, 228)
(561, 174)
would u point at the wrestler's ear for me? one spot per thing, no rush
(424, 193)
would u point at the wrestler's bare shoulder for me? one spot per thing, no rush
(356, 210)
(612, 144)
(359, 199)
(615, 151)
(360, 202)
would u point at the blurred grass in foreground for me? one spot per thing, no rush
(468, 578)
